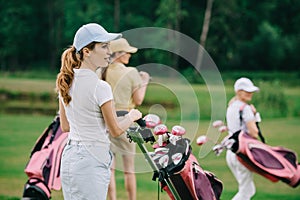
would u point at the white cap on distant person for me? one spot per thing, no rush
(245, 84)
(92, 32)
(122, 45)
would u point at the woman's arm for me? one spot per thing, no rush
(64, 123)
(115, 127)
(252, 128)
(139, 93)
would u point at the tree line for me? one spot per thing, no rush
(240, 34)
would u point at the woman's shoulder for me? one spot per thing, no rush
(239, 105)
(102, 83)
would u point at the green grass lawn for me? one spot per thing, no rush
(19, 133)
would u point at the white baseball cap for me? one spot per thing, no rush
(245, 84)
(92, 32)
(122, 45)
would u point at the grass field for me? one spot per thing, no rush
(19, 132)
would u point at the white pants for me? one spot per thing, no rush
(243, 176)
(85, 172)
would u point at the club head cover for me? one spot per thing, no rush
(201, 140)
(178, 130)
(152, 120)
(223, 129)
(160, 129)
(217, 123)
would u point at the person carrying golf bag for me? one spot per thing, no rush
(244, 89)
(246, 152)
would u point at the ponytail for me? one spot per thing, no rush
(69, 60)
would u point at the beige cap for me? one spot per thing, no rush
(122, 45)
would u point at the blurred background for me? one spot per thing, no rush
(241, 35)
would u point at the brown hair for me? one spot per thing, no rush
(70, 59)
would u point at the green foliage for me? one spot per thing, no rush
(193, 76)
(271, 100)
(245, 34)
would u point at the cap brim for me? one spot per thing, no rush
(252, 89)
(131, 50)
(108, 37)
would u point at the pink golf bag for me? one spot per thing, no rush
(172, 161)
(43, 168)
(273, 163)
(188, 178)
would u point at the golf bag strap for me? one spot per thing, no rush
(53, 126)
(241, 122)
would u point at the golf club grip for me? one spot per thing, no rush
(141, 122)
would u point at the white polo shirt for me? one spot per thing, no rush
(88, 93)
(233, 117)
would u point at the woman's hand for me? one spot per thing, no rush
(145, 77)
(134, 115)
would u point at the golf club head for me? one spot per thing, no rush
(218, 149)
(174, 138)
(176, 158)
(162, 139)
(163, 161)
(160, 129)
(161, 151)
(152, 120)
(178, 130)
(155, 146)
(218, 123)
(201, 140)
(158, 153)
(228, 143)
(223, 129)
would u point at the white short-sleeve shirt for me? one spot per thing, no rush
(88, 93)
(233, 116)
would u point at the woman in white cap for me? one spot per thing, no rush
(244, 90)
(129, 88)
(87, 110)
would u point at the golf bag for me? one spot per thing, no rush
(182, 168)
(43, 168)
(172, 161)
(273, 163)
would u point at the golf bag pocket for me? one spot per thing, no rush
(40, 164)
(215, 183)
(273, 163)
(192, 182)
